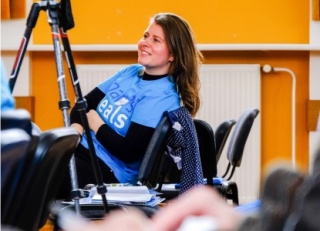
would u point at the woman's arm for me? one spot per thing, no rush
(129, 148)
(92, 98)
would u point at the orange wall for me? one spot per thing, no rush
(234, 21)
(219, 21)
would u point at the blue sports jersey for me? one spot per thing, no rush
(7, 100)
(130, 98)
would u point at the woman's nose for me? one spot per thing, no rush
(145, 42)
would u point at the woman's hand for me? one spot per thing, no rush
(94, 120)
(78, 128)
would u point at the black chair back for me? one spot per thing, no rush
(242, 128)
(16, 118)
(14, 146)
(207, 149)
(150, 169)
(42, 178)
(14, 149)
(238, 139)
(221, 136)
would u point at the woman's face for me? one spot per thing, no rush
(153, 51)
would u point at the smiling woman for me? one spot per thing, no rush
(124, 110)
(153, 52)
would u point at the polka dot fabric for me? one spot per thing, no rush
(184, 144)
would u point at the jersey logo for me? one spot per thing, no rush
(122, 101)
(111, 113)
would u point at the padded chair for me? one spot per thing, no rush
(14, 148)
(42, 178)
(61, 169)
(235, 151)
(20, 118)
(221, 135)
(16, 118)
(150, 173)
(19, 154)
(211, 145)
(206, 139)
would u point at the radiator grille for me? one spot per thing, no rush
(226, 91)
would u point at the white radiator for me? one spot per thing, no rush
(226, 91)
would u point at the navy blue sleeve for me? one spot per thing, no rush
(129, 148)
(93, 98)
